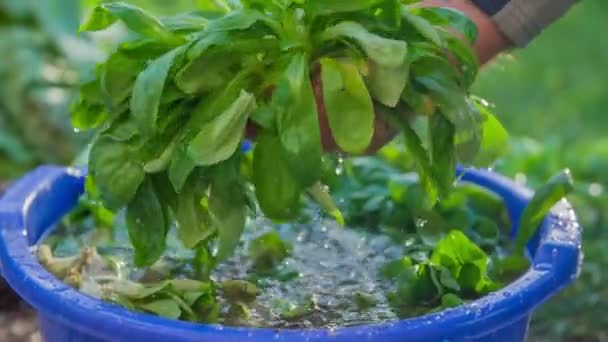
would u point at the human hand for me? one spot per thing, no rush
(490, 42)
(383, 133)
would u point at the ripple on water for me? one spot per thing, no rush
(332, 274)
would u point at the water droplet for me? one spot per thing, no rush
(340, 166)
(421, 222)
(521, 179)
(300, 237)
(596, 189)
(332, 331)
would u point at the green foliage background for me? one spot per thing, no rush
(33, 94)
(555, 92)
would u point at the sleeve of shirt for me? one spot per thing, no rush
(522, 20)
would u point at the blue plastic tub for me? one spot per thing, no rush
(30, 208)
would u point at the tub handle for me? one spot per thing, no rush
(560, 248)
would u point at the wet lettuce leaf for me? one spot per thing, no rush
(171, 108)
(541, 203)
(348, 105)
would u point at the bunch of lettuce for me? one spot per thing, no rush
(171, 109)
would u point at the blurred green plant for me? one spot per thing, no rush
(557, 85)
(555, 91)
(41, 57)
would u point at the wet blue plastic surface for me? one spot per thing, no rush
(31, 206)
